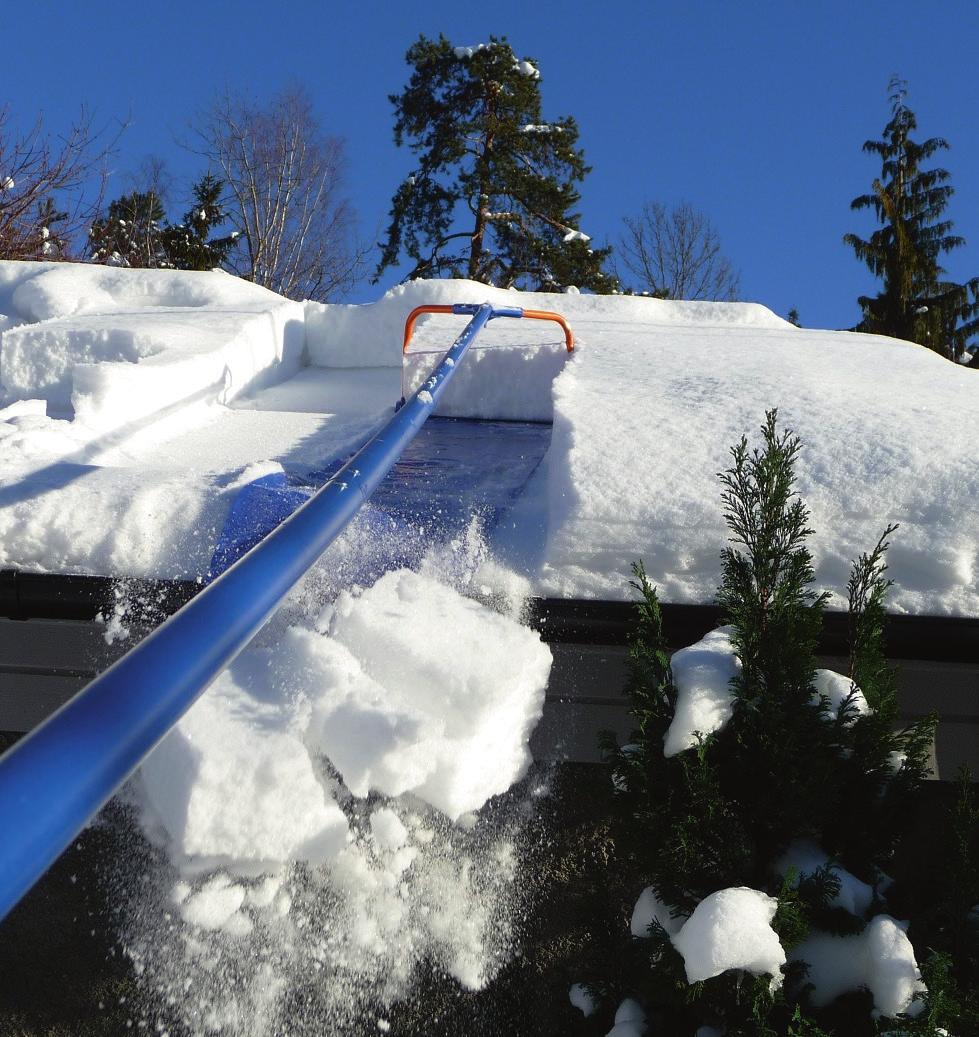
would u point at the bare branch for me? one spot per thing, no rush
(285, 176)
(50, 188)
(676, 254)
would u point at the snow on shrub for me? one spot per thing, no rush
(758, 796)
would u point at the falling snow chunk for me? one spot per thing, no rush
(388, 830)
(425, 396)
(232, 782)
(212, 906)
(575, 235)
(7, 184)
(731, 929)
(418, 689)
(525, 68)
(702, 674)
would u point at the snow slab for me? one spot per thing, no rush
(302, 803)
(645, 412)
(410, 688)
(580, 998)
(442, 701)
(630, 1020)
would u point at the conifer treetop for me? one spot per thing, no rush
(916, 302)
(493, 193)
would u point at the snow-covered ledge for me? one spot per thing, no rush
(117, 346)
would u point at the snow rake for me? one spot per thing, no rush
(56, 778)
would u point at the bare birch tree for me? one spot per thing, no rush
(285, 184)
(676, 254)
(50, 188)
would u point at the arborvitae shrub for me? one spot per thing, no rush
(786, 766)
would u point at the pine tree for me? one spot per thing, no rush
(788, 765)
(132, 233)
(917, 302)
(493, 193)
(189, 244)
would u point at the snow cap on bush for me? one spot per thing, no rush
(806, 857)
(702, 674)
(649, 908)
(731, 929)
(836, 689)
(630, 1020)
(880, 958)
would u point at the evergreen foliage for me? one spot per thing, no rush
(917, 302)
(131, 233)
(190, 244)
(134, 231)
(784, 767)
(493, 194)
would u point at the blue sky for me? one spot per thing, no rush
(753, 111)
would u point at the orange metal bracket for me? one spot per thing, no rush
(558, 319)
(533, 314)
(414, 315)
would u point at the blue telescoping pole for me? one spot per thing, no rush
(55, 780)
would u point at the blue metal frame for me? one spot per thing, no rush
(55, 780)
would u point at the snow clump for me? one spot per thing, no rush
(702, 674)
(630, 1020)
(579, 997)
(836, 689)
(806, 857)
(317, 806)
(525, 68)
(649, 908)
(464, 53)
(880, 958)
(731, 929)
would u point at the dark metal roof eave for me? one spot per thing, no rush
(29, 595)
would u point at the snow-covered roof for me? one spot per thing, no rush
(644, 414)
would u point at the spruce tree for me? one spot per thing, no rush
(191, 244)
(789, 765)
(917, 302)
(493, 193)
(131, 233)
